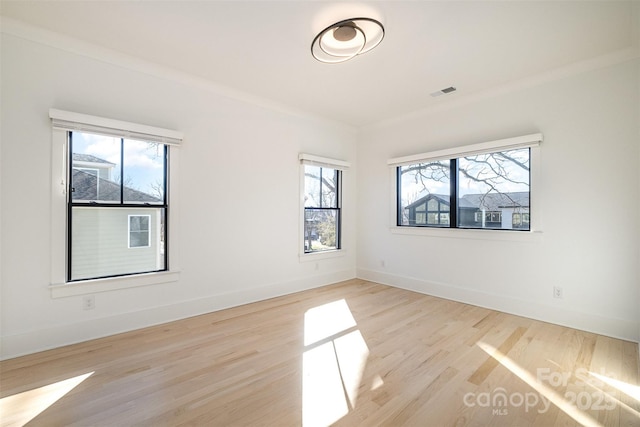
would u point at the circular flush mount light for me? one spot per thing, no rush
(346, 39)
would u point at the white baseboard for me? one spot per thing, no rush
(57, 336)
(612, 327)
(61, 335)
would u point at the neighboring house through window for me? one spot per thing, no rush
(429, 210)
(485, 186)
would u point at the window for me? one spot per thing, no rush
(107, 217)
(520, 220)
(322, 208)
(485, 186)
(139, 231)
(115, 184)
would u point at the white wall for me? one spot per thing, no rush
(239, 242)
(238, 193)
(588, 192)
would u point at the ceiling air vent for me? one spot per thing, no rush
(444, 91)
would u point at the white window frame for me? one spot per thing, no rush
(129, 232)
(90, 169)
(325, 162)
(62, 123)
(531, 141)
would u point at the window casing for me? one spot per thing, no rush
(73, 201)
(483, 186)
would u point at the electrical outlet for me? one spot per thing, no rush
(317, 266)
(383, 263)
(557, 292)
(88, 302)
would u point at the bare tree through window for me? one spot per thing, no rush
(491, 191)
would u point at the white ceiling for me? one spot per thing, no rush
(263, 47)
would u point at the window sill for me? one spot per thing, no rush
(314, 256)
(463, 233)
(112, 283)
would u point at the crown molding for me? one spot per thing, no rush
(79, 47)
(576, 68)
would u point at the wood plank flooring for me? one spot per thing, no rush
(351, 354)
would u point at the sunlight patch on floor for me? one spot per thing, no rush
(633, 391)
(323, 399)
(377, 382)
(352, 353)
(630, 390)
(19, 409)
(553, 396)
(333, 364)
(327, 320)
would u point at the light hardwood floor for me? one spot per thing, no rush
(354, 353)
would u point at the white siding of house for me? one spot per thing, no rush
(104, 250)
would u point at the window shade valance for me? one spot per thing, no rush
(66, 120)
(525, 141)
(310, 159)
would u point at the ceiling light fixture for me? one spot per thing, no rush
(347, 39)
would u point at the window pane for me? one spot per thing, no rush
(516, 220)
(143, 172)
(320, 187)
(95, 162)
(320, 230)
(97, 176)
(139, 239)
(138, 223)
(492, 188)
(312, 186)
(329, 183)
(102, 244)
(420, 184)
